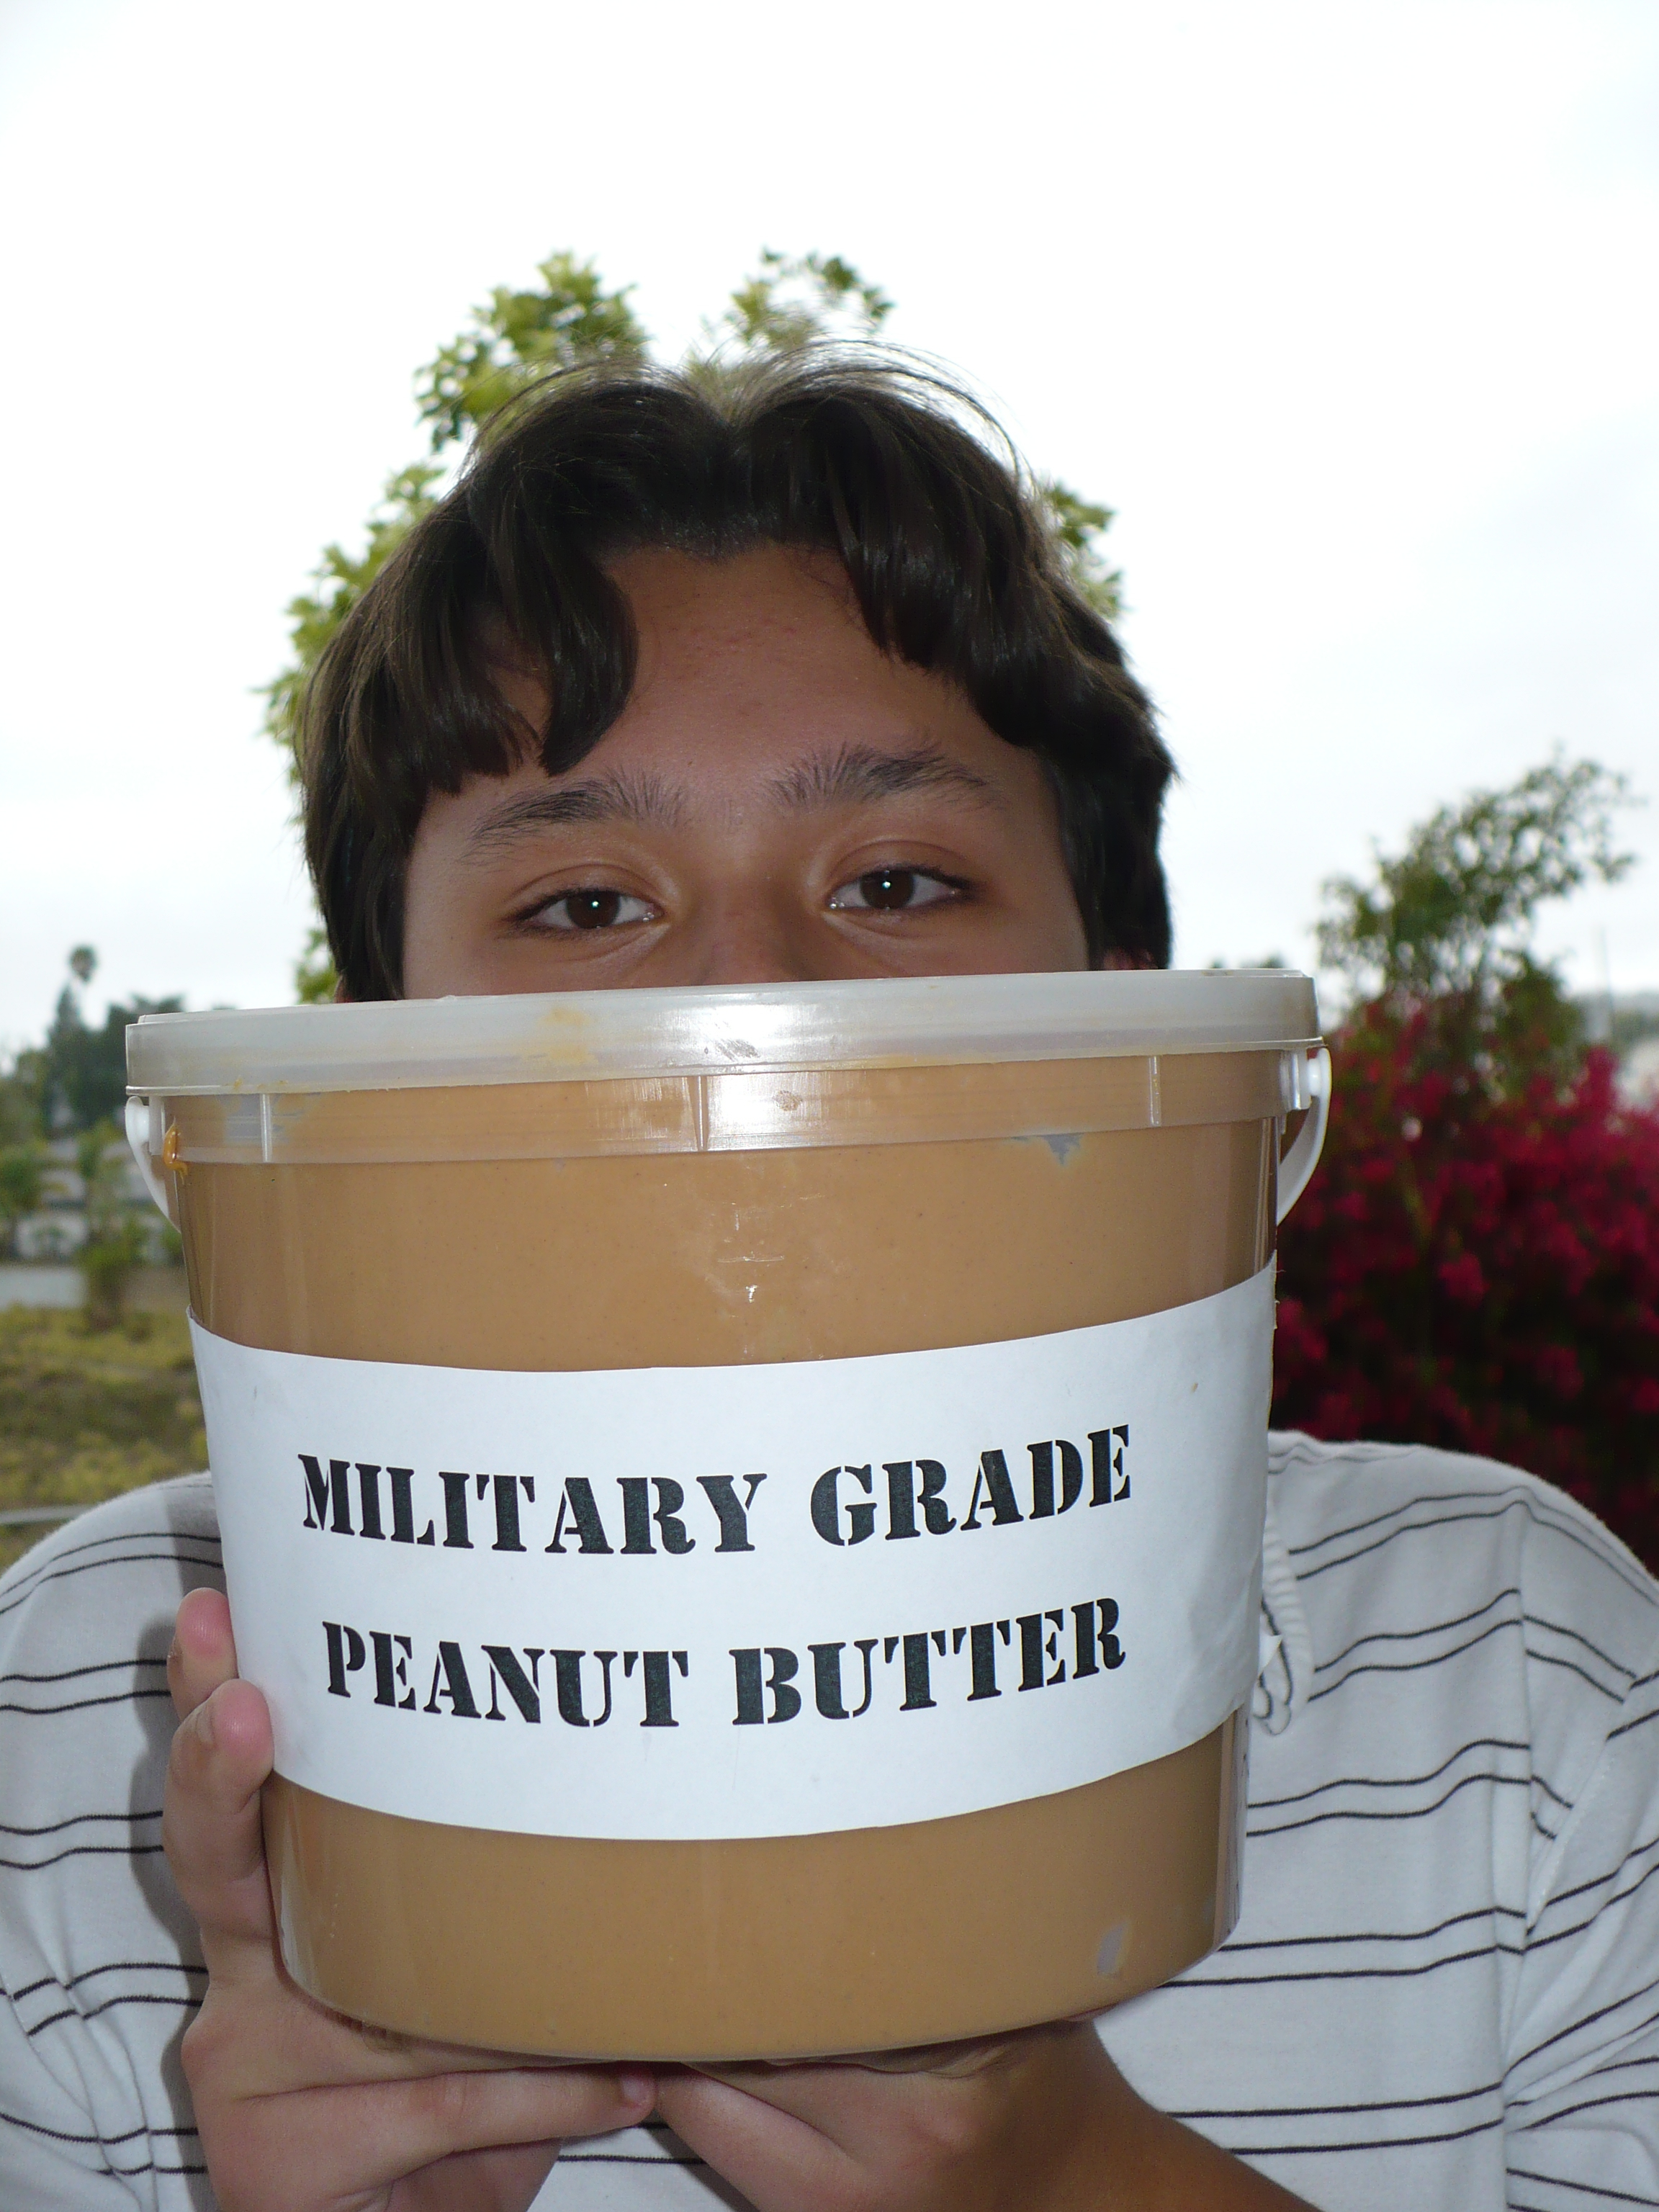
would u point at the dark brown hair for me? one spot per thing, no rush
(949, 556)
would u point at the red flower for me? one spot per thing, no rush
(1477, 1265)
(1462, 1279)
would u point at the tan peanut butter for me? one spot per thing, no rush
(810, 1217)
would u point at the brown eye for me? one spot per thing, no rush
(892, 890)
(599, 908)
(888, 887)
(592, 909)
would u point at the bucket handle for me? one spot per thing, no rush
(140, 1128)
(1299, 1163)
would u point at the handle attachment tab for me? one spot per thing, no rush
(1298, 1164)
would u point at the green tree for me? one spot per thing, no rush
(115, 1239)
(1445, 925)
(1473, 1265)
(1453, 911)
(21, 1178)
(571, 317)
(81, 1073)
(21, 1086)
(1079, 525)
(516, 337)
(792, 302)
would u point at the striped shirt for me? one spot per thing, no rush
(1444, 1991)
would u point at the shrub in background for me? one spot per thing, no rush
(1476, 1265)
(115, 1239)
(1476, 1262)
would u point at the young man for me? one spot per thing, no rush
(789, 684)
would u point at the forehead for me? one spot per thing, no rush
(776, 630)
(751, 663)
(744, 595)
(757, 691)
(759, 623)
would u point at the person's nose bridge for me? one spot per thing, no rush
(759, 938)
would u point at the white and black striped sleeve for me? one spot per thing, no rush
(1444, 1989)
(100, 1964)
(1581, 2091)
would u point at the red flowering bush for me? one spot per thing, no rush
(1476, 1262)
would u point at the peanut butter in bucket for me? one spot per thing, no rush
(744, 1503)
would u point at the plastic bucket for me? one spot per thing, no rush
(745, 1503)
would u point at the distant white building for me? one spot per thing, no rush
(1639, 1073)
(1629, 1021)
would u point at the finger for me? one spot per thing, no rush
(220, 1758)
(913, 2120)
(214, 1843)
(362, 2139)
(258, 2037)
(204, 1650)
(852, 2107)
(775, 2161)
(949, 2062)
(439, 2115)
(885, 2081)
(845, 2099)
(957, 2061)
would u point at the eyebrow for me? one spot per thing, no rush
(856, 774)
(642, 800)
(861, 772)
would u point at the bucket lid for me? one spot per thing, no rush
(567, 1035)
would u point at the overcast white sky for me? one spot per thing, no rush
(1349, 310)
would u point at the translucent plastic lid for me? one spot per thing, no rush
(417, 1043)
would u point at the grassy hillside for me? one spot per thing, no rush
(84, 1414)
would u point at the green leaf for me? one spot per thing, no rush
(1079, 527)
(790, 302)
(338, 581)
(1453, 911)
(520, 335)
(315, 977)
(1443, 927)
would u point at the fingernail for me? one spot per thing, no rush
(202, 1720)
(635, 2085)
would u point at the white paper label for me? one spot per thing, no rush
(771, 1600)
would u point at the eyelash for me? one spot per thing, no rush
(956, 886)
(535, 916)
